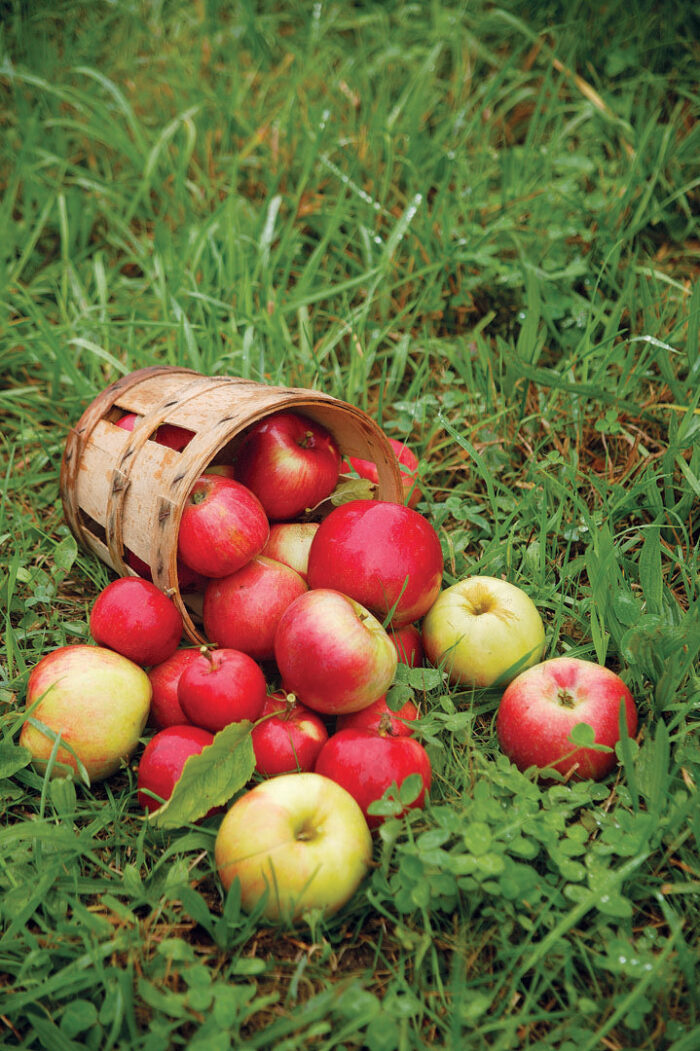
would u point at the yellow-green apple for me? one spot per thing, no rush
(166, 709)
(484, 631)
(290, 462)
(384, 555)
(295, 842)
(223, 526)
(333, 653)
(543, 704)
(408, 462)
(242, 611)
(368, 762)
(135, 618)
(163, 760)
(289, 542)
(96, 699)
(287, 737)
(220, 687)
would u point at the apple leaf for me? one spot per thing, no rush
(209, 779)
(583, 735)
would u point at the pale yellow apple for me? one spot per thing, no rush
(300, 840)
(483, 631)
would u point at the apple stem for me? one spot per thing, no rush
(307, 441)
(206, 651)
(290, 704)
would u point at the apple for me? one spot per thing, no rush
(167, 434)
(135, 618)
(540, 707)
(221, 687)
(367, 763)
(332, 653)
(408, 642)
(166, 709)
(223, 526)
(288, 736)
(409, 470)
(96, 699)
(242, 611)
(290, 462)
(163, 759)
(290, 542)
(384, 555)
(379, 717)
(295, 843)
(485, 631)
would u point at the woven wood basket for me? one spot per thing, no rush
(121, 491)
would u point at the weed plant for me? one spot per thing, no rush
(478, 222)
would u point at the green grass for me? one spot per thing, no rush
(478, 223)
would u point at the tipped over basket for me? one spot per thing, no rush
(123, 492)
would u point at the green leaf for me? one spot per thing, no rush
(650, 574)
(209, 779)
(583, 735)
(13, 757)
(65, 553)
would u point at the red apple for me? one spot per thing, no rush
(290, 462)
(166, 709)
(167, 434)
(542, 705)
(242, 611)
(223, 526)
(137, 620)
(288, 737)
(163, 759)
(409, 470)
(290, 542)
(96, 699)
(379, 717)
(384, 555)
(332, 653)
(366, 764)
(409, 645)
(221, 687)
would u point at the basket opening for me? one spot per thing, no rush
(91, 526)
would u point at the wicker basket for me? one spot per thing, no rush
(121, 491)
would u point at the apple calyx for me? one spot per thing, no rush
(307, 440)
(198, 496)
(385, 727)
(565, 699)
(306, 833)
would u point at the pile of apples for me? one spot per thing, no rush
(306, 622)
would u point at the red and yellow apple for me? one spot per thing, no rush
(543, 704)
(333, 653)
(96, 699)
(295, 842)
